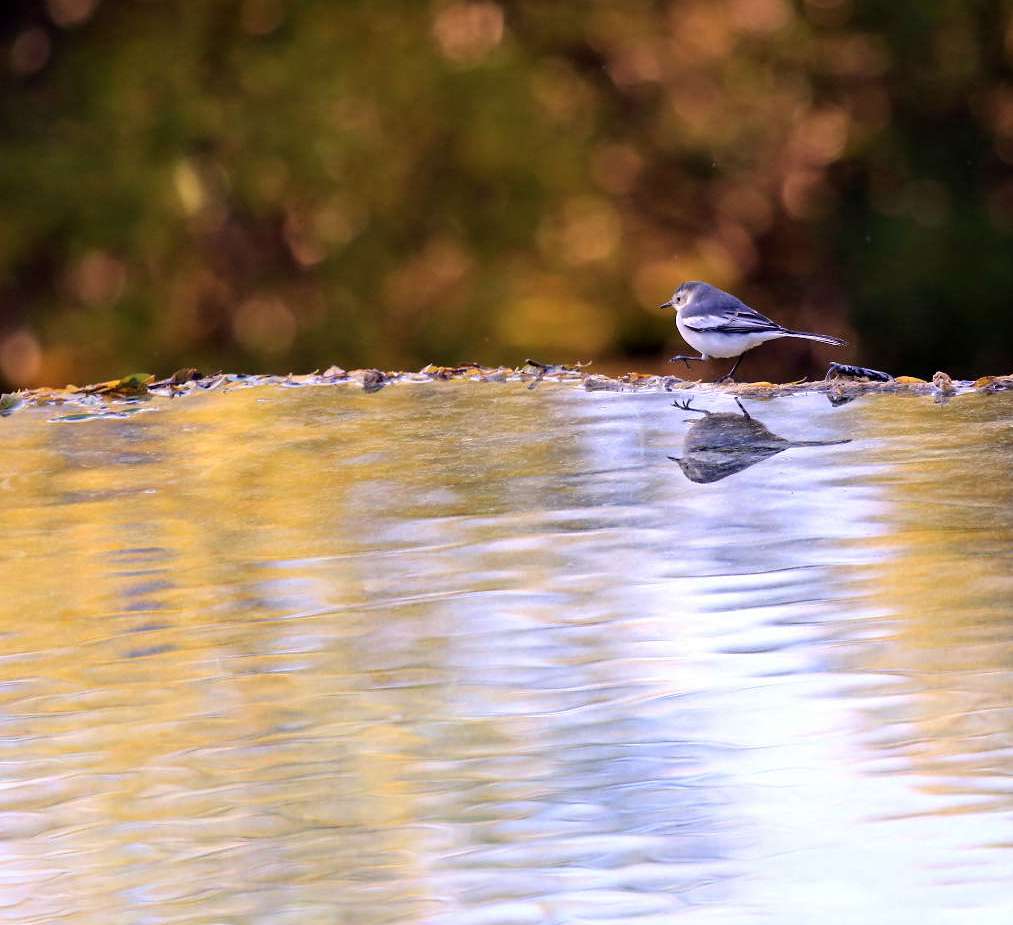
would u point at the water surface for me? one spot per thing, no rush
(465, 654)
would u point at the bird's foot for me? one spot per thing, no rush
(687, 405)
(730, 375)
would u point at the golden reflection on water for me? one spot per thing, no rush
(472, 654)
(947, 579)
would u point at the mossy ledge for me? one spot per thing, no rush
(141, 386)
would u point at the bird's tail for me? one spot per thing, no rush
(822, 338)
(797, 443)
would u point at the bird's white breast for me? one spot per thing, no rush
(723, 346)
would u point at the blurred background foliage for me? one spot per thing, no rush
(278, 185)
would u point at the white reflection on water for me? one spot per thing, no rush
(487, 656)
(671, 669)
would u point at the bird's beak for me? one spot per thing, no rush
(667, 304)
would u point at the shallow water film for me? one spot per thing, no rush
(473, 654)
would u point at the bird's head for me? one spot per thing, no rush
(685, 294)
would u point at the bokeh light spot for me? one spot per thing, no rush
(189, 187)
(262, 17)
(804, 193)
(98, 278)
(467, 32)
(760, 16)
(264, 325)
(427, 277)
(585, 230)
(701, 33)
(30, 52)
(615, 167)
(633, 64)
(655, 280)
(822, 135)
(559, 321)
(68, 13)
(20, 357)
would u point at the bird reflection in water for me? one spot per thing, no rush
(720, 444)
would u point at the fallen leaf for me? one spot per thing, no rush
(134, 384)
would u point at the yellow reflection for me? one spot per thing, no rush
(945, 583)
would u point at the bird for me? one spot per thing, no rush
(719, 325)
(720, 444)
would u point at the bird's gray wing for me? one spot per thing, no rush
(748, 320)
(729, 316)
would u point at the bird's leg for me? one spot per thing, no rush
(687, 360)
(730, 375)
(745, 413)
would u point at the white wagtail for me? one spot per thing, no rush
(719, 325)
(720, 444)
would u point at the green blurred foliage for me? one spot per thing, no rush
(283, 184)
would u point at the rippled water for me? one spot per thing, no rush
(470, 654)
